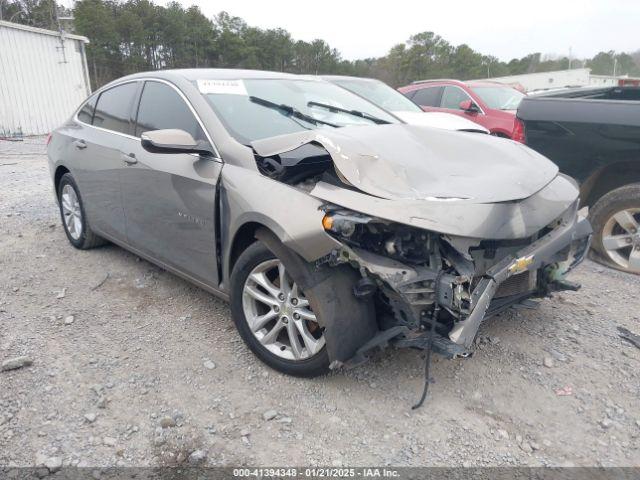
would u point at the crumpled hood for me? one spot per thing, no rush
(410, 162)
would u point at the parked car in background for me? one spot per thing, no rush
(382, 95)
(332, 227)
(593, 134)
(490, 104)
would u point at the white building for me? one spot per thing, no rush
(577, 77)
(43, 78)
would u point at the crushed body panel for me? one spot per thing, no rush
(494, 216)
(409, 162)
(503, 220)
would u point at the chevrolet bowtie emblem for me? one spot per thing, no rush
(520, 264)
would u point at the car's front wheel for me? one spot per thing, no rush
(616, 224)
(72, 213)
(274, 316)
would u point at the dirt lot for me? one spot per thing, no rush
(134, 366)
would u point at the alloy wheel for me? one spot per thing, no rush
(71, 211)
(279, 315)
(621, 239)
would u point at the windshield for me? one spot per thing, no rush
(260, 108)
(500, 98)
(379, 93)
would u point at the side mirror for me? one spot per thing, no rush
(468, 106)
(172, 141)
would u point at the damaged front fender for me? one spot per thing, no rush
(274, 205)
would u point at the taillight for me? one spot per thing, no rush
(518, 131)
(48, 138)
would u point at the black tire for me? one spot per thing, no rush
(87, 239)
(254, 255)
(622, 198)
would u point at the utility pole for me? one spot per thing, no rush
(569, 58)
(615, 64)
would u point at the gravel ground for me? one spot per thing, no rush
(134, 366)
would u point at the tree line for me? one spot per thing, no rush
(136, 35)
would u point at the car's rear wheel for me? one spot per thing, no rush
(72, 213)
(616, 224)
(274, 316)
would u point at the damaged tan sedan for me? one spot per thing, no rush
(333, 227)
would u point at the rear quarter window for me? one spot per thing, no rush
(85, 114)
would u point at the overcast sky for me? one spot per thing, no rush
(504, 28)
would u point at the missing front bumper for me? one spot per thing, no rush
(412, 292)
(542, 254)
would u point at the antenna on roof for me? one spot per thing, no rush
(62, 47)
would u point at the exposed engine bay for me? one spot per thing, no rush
(416, 273)
(425, 272)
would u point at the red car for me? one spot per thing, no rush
(493, 105)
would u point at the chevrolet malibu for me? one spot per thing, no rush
(333, 228)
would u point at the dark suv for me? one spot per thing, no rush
(490, 104)
(593, 134)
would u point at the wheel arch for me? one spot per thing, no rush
(608, 178)
(292, 215)
(243, 238)
(60, 171)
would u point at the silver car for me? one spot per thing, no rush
(332, 227)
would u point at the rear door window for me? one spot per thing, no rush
(452, 97)
(162, 107)
(113, 111)
(428, 97)
(86, 112)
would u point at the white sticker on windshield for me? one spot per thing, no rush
(226, 87)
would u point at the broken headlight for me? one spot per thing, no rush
(395, 240)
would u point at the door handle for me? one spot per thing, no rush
(80, 144)
(130, 159)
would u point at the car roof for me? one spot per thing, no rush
(485, 83)
(330, 78)
(584, 91)
(451, 81)
(192, 74)
(419, 83)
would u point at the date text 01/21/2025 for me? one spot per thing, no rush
(318, 472)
